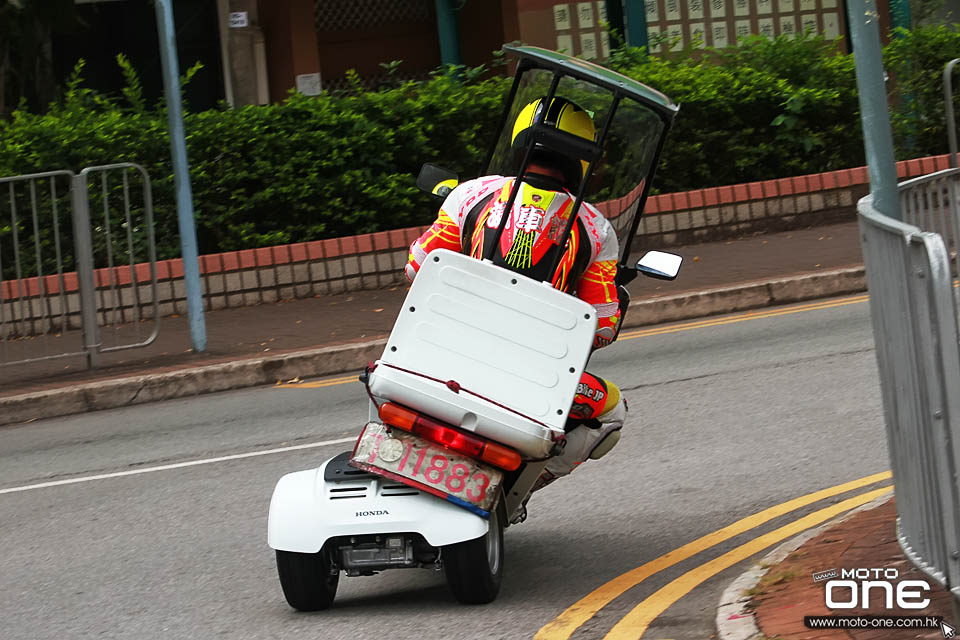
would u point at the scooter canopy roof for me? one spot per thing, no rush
(536, 57)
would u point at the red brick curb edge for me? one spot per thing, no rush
(735, 621)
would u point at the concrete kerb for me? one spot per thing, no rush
(744, 297)
(250, 372)
(735, 619)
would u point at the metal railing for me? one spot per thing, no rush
(914, 312)
(931, 203)
(69, 281)
(30, 304)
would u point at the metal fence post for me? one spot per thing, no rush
(181, 174)
(877, 137)
(83, 245)
(948, 110)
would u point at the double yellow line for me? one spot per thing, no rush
(635, 623)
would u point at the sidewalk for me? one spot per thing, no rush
(786, 592)
(278, 333)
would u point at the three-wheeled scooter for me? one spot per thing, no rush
(472, 394)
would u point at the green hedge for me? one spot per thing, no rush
(768, 109)
(306, 169)
(915, 63)
(345, 163)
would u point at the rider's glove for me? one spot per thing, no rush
(603, 337)
(410, 271)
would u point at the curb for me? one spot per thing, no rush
(746, 296)
(123, 392)
(734, 620)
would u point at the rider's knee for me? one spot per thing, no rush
(611, 421)
(607, 443)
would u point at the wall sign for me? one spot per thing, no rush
(238, 19)
(309, 84)
(722, 23)
(561, 17)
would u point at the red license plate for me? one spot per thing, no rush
(429, 466)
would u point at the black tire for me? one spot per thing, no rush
(475, 568)
(308, 584)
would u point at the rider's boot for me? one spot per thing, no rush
(590, 439)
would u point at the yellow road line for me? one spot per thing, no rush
(563, 626)
(320, 383)
(633, 625)
(742, 317)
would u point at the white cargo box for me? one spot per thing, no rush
(515, 347)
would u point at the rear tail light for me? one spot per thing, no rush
(448, 436)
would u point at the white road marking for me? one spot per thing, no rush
(178, 465)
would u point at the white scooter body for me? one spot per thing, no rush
(306, 511)
(516, 349)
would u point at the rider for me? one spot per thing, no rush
(468, 221)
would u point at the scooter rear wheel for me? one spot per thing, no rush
(307, 581)
(475, 568)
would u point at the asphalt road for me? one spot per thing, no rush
(725, 421)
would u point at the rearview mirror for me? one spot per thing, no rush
(437, 180)
(660, 265)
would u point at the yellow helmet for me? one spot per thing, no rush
(562, 114)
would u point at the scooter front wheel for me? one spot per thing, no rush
(475, 568)
(309, 583)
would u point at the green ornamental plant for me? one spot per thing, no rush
(914, 61)
(767, 109)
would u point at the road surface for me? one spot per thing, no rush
(150, 522)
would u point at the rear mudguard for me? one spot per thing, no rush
(306, 511)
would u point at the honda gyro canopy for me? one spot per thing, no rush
(631, 119)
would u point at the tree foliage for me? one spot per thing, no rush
(766, 109)
(915, 61)
(26, 62)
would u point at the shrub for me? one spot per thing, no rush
(309, 168)
(768, 109)
(915, 61)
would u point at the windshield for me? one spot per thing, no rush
(629, 149)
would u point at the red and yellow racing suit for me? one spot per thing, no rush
(468, 221)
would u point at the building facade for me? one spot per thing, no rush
(257, 51)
